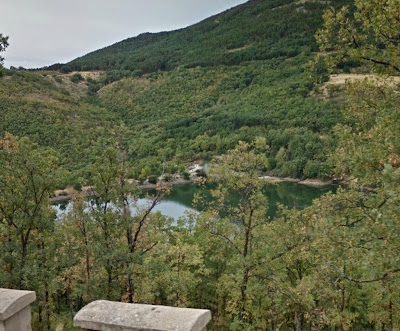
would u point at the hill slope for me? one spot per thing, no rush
(187, 94)
(50, 111)
(256, 30)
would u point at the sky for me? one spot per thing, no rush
(44, 32)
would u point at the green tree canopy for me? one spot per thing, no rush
(29, 175)
(368, 34)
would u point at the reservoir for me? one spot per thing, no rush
(179, 201)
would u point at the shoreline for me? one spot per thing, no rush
(174, 182)
(309, 182)
(67, 194)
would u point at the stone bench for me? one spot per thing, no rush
(15, 309)
(107, 316)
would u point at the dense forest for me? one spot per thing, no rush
(187, 94)
(254, 31)
(332, 266)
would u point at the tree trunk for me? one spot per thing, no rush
(131, 288)
(299, 321)
(24, 243)
(109, 283)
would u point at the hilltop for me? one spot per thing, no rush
(256, 30)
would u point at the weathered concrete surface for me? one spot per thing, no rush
(108, 316)
(15, 310)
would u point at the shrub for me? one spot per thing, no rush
(153, 179)
(57, 79)
(77, 187)
(76, 78)
(186, 175)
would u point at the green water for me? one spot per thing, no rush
(179, 201)
(292, 195)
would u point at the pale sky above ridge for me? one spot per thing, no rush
(44, 32)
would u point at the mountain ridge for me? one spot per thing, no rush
(207, 42)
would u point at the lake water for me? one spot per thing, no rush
(179, 201)
(292, 195)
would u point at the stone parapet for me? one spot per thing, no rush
(15, 310)
(108, 316)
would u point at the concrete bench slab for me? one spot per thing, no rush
(108, 316)
(15, 310)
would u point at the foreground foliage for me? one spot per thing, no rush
(369, 35)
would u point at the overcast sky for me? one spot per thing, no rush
(44, 32)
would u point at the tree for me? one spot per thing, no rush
(3, 46)
(28, 177)
(237, 218)
(337, 262)
(355, 233)
(107, 231)
(116, 232)
(367, 34)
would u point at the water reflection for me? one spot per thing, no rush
(179, 201)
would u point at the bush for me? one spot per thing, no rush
(316, 169)
(152, 179)
(57, 79)
(77, 187)
(201, 173)
(76, 78)
(65, 70)
(271, 163)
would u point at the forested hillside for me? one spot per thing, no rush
(256, 30)
(35, 105)
(187, 94)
